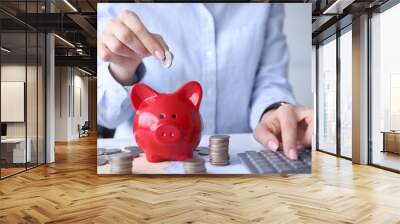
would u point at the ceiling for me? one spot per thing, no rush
(74, 22)
(331, 15)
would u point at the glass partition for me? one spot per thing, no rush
(327, 96)
(41, 97)
(13, 94)
(346, 93)
(385, 89)
(22, 77)
(31, 99)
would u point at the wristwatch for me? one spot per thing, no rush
(273, 107)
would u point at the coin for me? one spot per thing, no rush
(219, 150)
(194, 166)
(121, 156)
(111, 151)
(101, 160)
(135, 154)
(203, 151)
(100, 151)
(219, 137)
(121, 163)
(133, 149)
(167, 61)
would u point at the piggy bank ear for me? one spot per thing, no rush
(192, 91)
(140, 92)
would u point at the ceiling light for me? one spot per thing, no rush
(64, 40)
(70, 5)
(337, 7)
(5, 50)
(84, 71)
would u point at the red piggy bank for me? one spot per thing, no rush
(167, 126)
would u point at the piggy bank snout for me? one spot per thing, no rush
(166, 133)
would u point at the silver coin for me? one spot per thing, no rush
(133, 149)
(121, 158)
(194, 160)
(219, 137)
(135, 154)
(194, 171)
(204, 151)
(102, 160)
(167, 61)
(218, 153)
(219, 149)
(112, 151)
(220, 164)
(100, 151)
(218, 143)
(121, 163)
(216, 140)
(194, 165)
(125, 171)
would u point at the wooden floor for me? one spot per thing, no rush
(70, 191)
(11, 170)
(387, 159)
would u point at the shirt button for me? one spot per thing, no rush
(209, 53)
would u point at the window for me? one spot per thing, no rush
(385, 89)
(346, 93)
(327, 96)
(22, 75)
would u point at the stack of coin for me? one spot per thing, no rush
(121, 163)
(219, 150)
(194, 166)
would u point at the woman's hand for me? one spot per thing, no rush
(124, 42)
(289, 127)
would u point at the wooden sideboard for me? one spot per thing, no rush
(391, 141)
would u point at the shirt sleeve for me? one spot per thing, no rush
(113, 102)
(271, 83)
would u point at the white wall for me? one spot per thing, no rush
(70, 84)
(61, 103)
(33, 126)
(298, 33)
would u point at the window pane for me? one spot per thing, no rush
(327, 97)
(385, 86)
(31, 97)
(41, 98)
(13, 86)
(346, 94)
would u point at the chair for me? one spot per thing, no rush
(84, 130)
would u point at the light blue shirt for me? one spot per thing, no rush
(238, 53)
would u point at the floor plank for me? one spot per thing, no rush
(70, 191)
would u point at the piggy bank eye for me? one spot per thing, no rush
(173, 116)
(162, 116)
